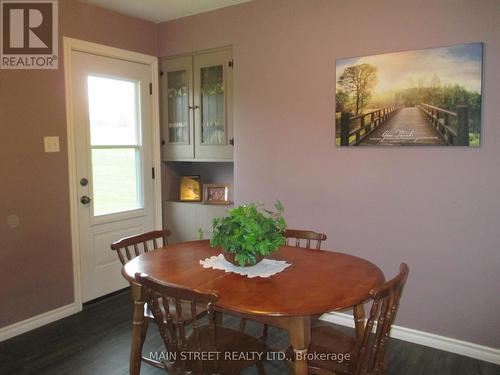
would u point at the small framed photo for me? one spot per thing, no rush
(216, 194)
(190, 189)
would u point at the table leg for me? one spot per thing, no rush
(137, 330)
(300, 338)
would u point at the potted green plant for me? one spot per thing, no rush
(249, 233)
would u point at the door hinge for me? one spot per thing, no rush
(161, 73)
(153, 173)
(150, 88)
(230, 63)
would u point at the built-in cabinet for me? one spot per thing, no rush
(196, 103)
(197, 136)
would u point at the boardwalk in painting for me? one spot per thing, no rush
(407, 127)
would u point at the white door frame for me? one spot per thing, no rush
(71, 45)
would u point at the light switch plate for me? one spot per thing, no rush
(51, 144)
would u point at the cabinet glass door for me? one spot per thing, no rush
(177, 108)
(212, 105)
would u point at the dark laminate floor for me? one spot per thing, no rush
(97, 341)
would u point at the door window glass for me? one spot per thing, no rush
(115, 133)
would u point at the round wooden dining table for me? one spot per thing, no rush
(316, 282)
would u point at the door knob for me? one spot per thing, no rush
(85, 200)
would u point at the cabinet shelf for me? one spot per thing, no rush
(185, 219)
(204, 160)
(230, 205)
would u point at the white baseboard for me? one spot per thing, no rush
(468, 349)
(37, 321)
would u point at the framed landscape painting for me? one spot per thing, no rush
(428, 97)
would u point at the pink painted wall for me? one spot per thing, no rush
(436, 208)
(35, 256)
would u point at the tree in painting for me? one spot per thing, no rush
(357, 81)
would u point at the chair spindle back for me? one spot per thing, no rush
(130, 247)
(159, 296)
(385, 304)
(306, 235)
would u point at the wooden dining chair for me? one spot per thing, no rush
(128, 248)
(368, 348)
(181, 347)
(303, 238)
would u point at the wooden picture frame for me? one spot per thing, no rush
(216, 194)
(190, 189)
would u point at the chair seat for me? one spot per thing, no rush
(328, 340)
(228, 343)
(186, 310)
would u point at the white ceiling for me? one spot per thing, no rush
(163, 10)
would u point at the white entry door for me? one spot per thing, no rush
(112, 120)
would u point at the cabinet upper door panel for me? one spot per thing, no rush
(213, 105)
(177, 108)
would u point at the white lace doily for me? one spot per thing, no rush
(266, 268)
